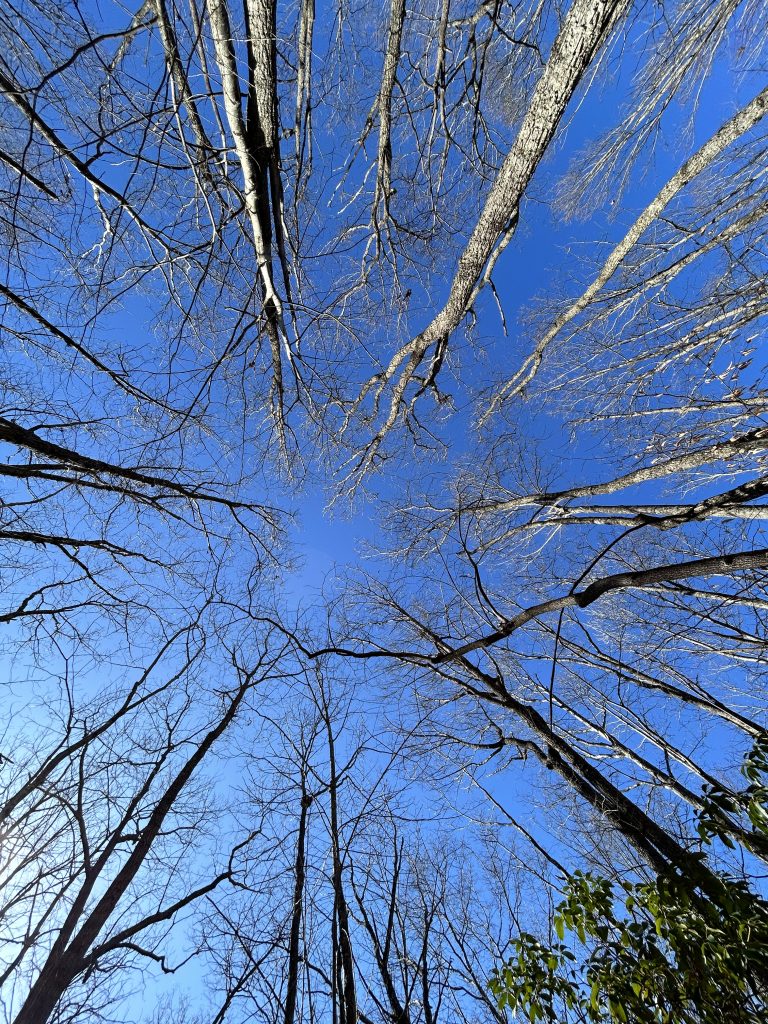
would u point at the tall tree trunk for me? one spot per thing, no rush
(299, 873)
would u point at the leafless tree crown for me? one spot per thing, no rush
(486, 278)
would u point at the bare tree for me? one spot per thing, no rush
(253, 247)
(104, 836)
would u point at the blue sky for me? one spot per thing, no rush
(546, 258)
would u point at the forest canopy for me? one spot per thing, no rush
(383, 439)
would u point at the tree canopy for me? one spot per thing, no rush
(383, 434)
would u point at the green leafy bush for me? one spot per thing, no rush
(660, 952)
